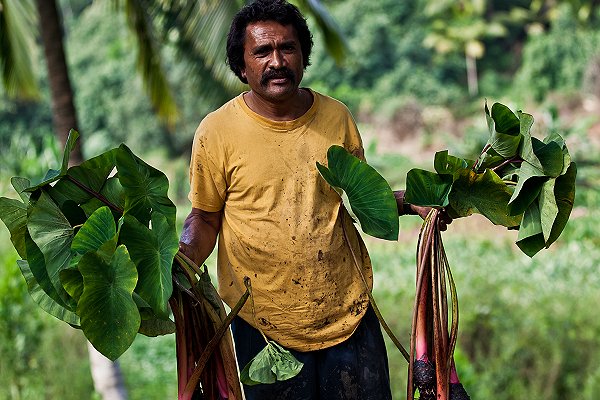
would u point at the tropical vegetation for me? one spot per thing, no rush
(527, 329)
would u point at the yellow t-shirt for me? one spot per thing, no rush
(281, 223)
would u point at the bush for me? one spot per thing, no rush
(40, 357)
(557, 59)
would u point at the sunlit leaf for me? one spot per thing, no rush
(286, 365)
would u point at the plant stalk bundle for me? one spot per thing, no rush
(434, 331)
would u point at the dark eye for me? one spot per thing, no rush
(288, 48)
(261, 51)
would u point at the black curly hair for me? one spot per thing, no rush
(265, 10)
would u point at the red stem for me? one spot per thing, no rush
(453, 375)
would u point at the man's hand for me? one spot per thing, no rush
(199, 234)
(405, 208)
(443, 218)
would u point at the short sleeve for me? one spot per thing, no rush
(208, 185)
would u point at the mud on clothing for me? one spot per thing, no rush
(356, 369)
(282, 223)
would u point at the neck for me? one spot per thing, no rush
(286, 110)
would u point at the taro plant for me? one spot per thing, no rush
(518, 181)
(99, 251)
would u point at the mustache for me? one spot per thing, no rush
(276, 74)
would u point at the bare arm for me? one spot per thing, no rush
(199, 235)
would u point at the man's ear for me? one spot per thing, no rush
(243, 73)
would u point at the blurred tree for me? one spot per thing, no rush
(461, 26)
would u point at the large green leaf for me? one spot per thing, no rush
(529, 184)
(45, 302)
(531, 238)
(526, 151)
(53, 234)
(485, 194)
(91, 174)
(564, 191)
(548, 207)
(95, 232)
(366, 194)
(112, 192)
(109, 316)
(504, 129)
(427, 189)
(504, 120)
(153, 251)
(145, 188)
(153, 327)
(443, 163)
(271, 364)
(551, 157)
(20, 184)
(72, 281)
(548, 163)
(14, 215)
(37, 266)
(53, 175)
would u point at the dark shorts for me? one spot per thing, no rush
(356, 369)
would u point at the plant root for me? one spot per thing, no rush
(458, 392)
(424, 379)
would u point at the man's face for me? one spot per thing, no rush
(273, 63)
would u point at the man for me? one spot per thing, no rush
(255, 186)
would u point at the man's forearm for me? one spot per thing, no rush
(199, 234)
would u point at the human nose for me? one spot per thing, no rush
(277, 61)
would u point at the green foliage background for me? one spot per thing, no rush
(528, 327)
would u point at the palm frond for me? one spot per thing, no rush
(204, 26)
(149, 64)
(335, 42)
(18, 25)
